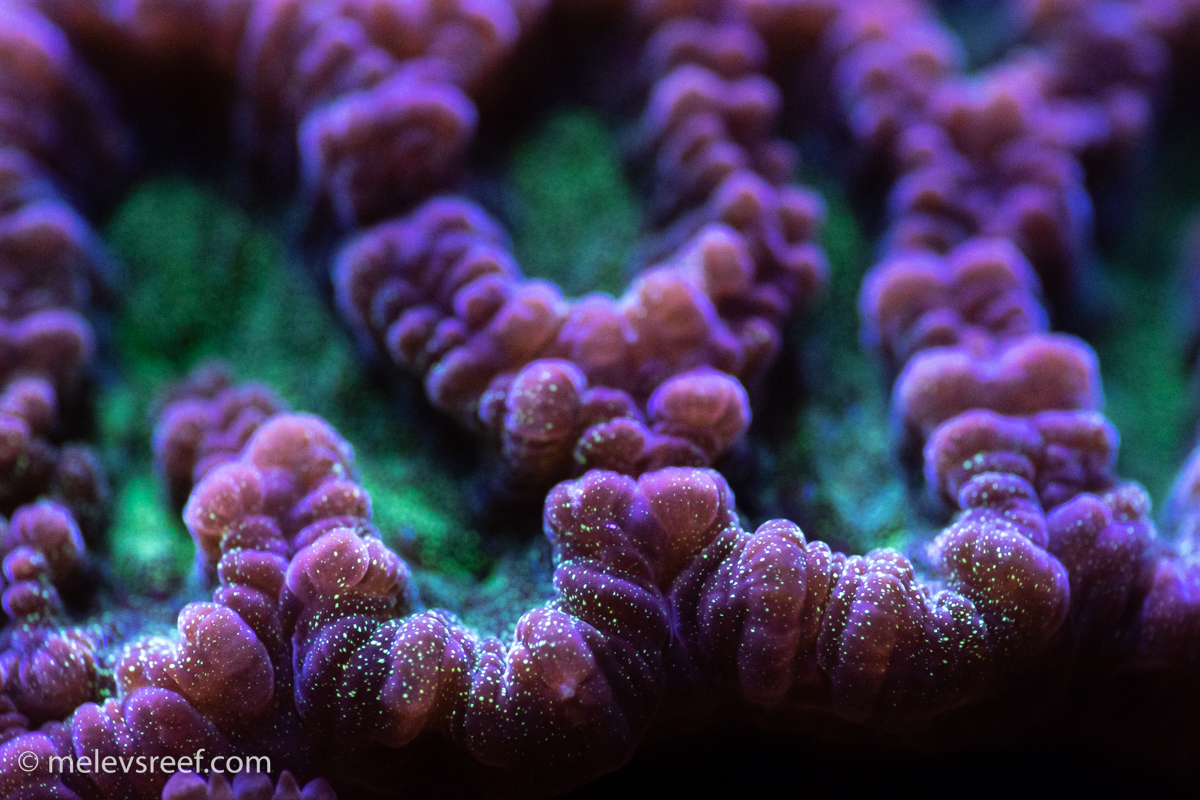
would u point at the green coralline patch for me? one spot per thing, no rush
(150, 549)
(841, 451)
(201, 281)
(1142, 326)
(192, 272)
(521, 578)
(575, 217)
(421, 509)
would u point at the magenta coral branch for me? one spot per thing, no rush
(47, 667)
(206, 422)
(957, 315)
(439, 294)
(655, 580)
(244, 786)
(377, 101)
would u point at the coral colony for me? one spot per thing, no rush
(1047, 609)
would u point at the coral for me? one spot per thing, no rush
(297, 470)
(55, 111)
(981, 293)
(48, 667)
(590, 666)
(1026, 591)
(417, 127)
(439, 293)
(244, 786)
(206, 422)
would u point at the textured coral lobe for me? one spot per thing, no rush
(438, 292)
(205, 423)
(984, 289)
(656, 583)
(764, 614)
(293, 475)
(469, 338)
(244, 786)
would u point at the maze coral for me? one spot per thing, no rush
(1043, 601)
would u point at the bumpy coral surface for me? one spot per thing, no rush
(526, 321)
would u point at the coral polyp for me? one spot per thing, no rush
(555, 264)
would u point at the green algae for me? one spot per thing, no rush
(575, 218)
(521, 578)
(201, 280)
(1142, 329)
(153, 551)
(842, 446)
(1145, 379)
(192, 271)
(423, 510)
